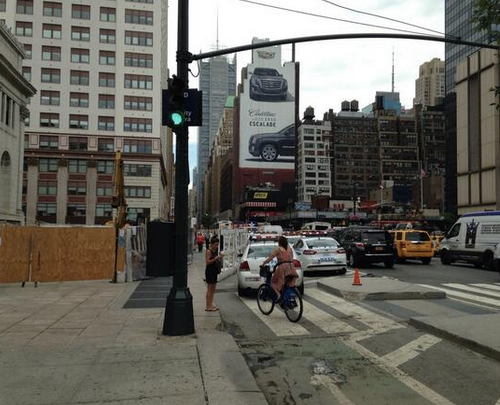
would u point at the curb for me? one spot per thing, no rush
(468, 343)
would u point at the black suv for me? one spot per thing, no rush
(367, 245)
(270, 145)
(268, 83)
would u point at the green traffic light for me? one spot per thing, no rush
(177, 118)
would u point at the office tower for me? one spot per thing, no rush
(99, 69)
(429, 87)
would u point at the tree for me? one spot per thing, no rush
(486, 14)
(207, 220)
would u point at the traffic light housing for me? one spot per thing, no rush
(176, 108)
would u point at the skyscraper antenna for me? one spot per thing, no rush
(393, 69)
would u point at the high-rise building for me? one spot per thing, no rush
(99, 70)
(429, 87)
(217, 82)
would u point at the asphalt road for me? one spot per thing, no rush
(366, 353)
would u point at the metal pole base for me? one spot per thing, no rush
(179, 318)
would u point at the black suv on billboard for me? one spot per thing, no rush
(268, 83)
(367, 245)
(271, 145)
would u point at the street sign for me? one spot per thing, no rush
(193, 110)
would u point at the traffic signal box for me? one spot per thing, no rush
(181, 106)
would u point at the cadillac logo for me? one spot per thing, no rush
(266, 54)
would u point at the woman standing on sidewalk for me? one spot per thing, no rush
(212, 269)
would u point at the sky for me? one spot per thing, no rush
(330, 71)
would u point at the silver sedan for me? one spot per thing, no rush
(321, 253)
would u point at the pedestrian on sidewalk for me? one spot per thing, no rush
(199, 241)
(213, 267)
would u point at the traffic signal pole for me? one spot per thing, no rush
(179, 318)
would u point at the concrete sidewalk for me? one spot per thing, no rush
(73, 343)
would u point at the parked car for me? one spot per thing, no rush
(271, 145)
(413, 244)
(367, 245)
(268, 83)
(257, 250)
(474, 238)
(321, 253)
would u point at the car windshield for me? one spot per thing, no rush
(266, 72)
(321, 243)
(376, 237)
(417, 237)
(258, 251)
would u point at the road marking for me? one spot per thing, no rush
(329, 383)
(470, 297)
(276, 321)
(377, 323)
(432, 396)
(488, 286)
(325, 321)
(498, 402)
(473, 289)
(410, 350)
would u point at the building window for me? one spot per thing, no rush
(27, 73)
(108, 14)
(141, 1)
(103, 211)
(138, 82)
(144, 60)
(27, 51)
(24, 29)
(106, 144)
(80, 11)
(107, 58)
(106, 123)
(107, 36)
(136, 170)
(49, 120)
(78, 143)
(3, 5)
(77, 166)
(27, 121)
(51, 31)
(137, 124)
(79, 100)
(137, 146)
(105, 166)
(79, 55)
(51, 9)
(47, 187)
(80, 34)
(52, 53)
(47, 165)
(138, 38)
(138, 215)
(137, 192)
(104, 189)
(79, 77)
(25, 7)
(76, 210)
(77, 187)
(51, 75)
(138, 103)
(106, 101)
(46, 209)
(106, 79)
(48, 142)
(138, 17)
(77, 121)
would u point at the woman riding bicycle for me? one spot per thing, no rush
(284, 271)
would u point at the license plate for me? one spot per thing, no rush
(379, 249)
(252, 278)
(326, 259)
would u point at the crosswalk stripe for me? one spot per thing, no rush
(276, 321)
(488, 286)
(334, 388)
(473, 289)
(377, 323)
(325, 321)
(470, 297)
(411, 350)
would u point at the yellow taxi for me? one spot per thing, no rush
(412, 244)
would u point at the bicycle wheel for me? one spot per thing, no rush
(292, 304)
(265, 299)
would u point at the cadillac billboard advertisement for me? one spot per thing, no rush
(267, 129)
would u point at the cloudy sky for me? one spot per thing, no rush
(331, 71)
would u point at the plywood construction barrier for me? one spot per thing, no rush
(57, 253)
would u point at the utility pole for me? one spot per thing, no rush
(354, 199)
(179, 318)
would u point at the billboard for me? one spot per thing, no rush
(267, 112)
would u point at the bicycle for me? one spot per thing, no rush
(291, 300)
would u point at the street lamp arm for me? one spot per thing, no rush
(330, 37)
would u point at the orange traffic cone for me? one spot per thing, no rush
(357, 280)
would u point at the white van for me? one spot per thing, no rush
(270, 229)
(316, 226)
(474, 238)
